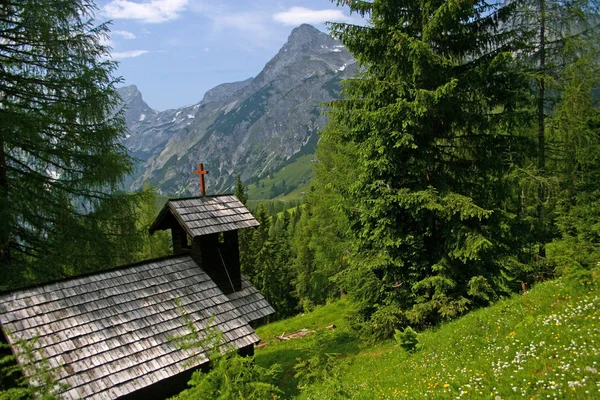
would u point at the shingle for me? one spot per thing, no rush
(110, 331)
(253, 304)
(106, 331)
(205, 215)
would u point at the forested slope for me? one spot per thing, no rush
(460, 166)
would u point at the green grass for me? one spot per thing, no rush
(297, 176)
(543, 344)
(287, 353)
(323, 316)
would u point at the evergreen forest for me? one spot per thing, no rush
(460, 167)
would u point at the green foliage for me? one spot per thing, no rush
(289, 353)
(159, 243)
(321, 240)
(61, 157)
(408, 339)
(240, 190)
(292, 256)
(384, 321)
(515, 348)
(320, 366)
(229, 375)
(32, 378)
(432, 120)
(576, 138)
(265, 259)
(204, 345)
(480, 288)
(233, 377)
(559, 36)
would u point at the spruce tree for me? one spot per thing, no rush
(246, 236)
(559, 34)
(240, 190)
(61, 159)
(434, 117)
(575, 149)
(321, 238)
(159, 243)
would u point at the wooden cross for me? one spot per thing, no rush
(201, 171)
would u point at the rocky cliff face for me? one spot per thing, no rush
(249, 128)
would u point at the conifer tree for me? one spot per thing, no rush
(240, 190)
(575, 149)
(559, 34)
(159, 243)
(245, 235)
(433, 116)
(61, 159)
(321, 238)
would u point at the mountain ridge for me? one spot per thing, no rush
(250, 127)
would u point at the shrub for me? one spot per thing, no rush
(408, 339)
(230, 375)
(34, 379)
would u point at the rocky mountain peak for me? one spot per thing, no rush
(136, 108)
(304, 43)
(304, 34)
(224, 90)
(252, 127)
(129, 94)
(308, 38)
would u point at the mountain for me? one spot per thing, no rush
(251, 128)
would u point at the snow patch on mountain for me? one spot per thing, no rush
(249, 127)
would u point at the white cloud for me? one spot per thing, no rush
(123, 34)
(300, 15)
(152, 11)
(252, 24)
(119, 55)
(249, 26)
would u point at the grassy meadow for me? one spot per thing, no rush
(541, 344)
(288, 183)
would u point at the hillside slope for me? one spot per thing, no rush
(543, 344)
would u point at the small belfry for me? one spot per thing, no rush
(109, 334)
(207, 227)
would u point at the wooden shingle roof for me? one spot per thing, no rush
(205, 215)
(250, 303)
(109, 334)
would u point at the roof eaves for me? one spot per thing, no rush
(181, 222)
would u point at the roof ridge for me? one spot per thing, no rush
(84, 275)
(200, 197)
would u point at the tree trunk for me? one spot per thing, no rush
(4, 218)
(541, 131)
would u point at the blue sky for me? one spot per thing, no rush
(175, 50)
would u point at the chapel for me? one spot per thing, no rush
(109, 335)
